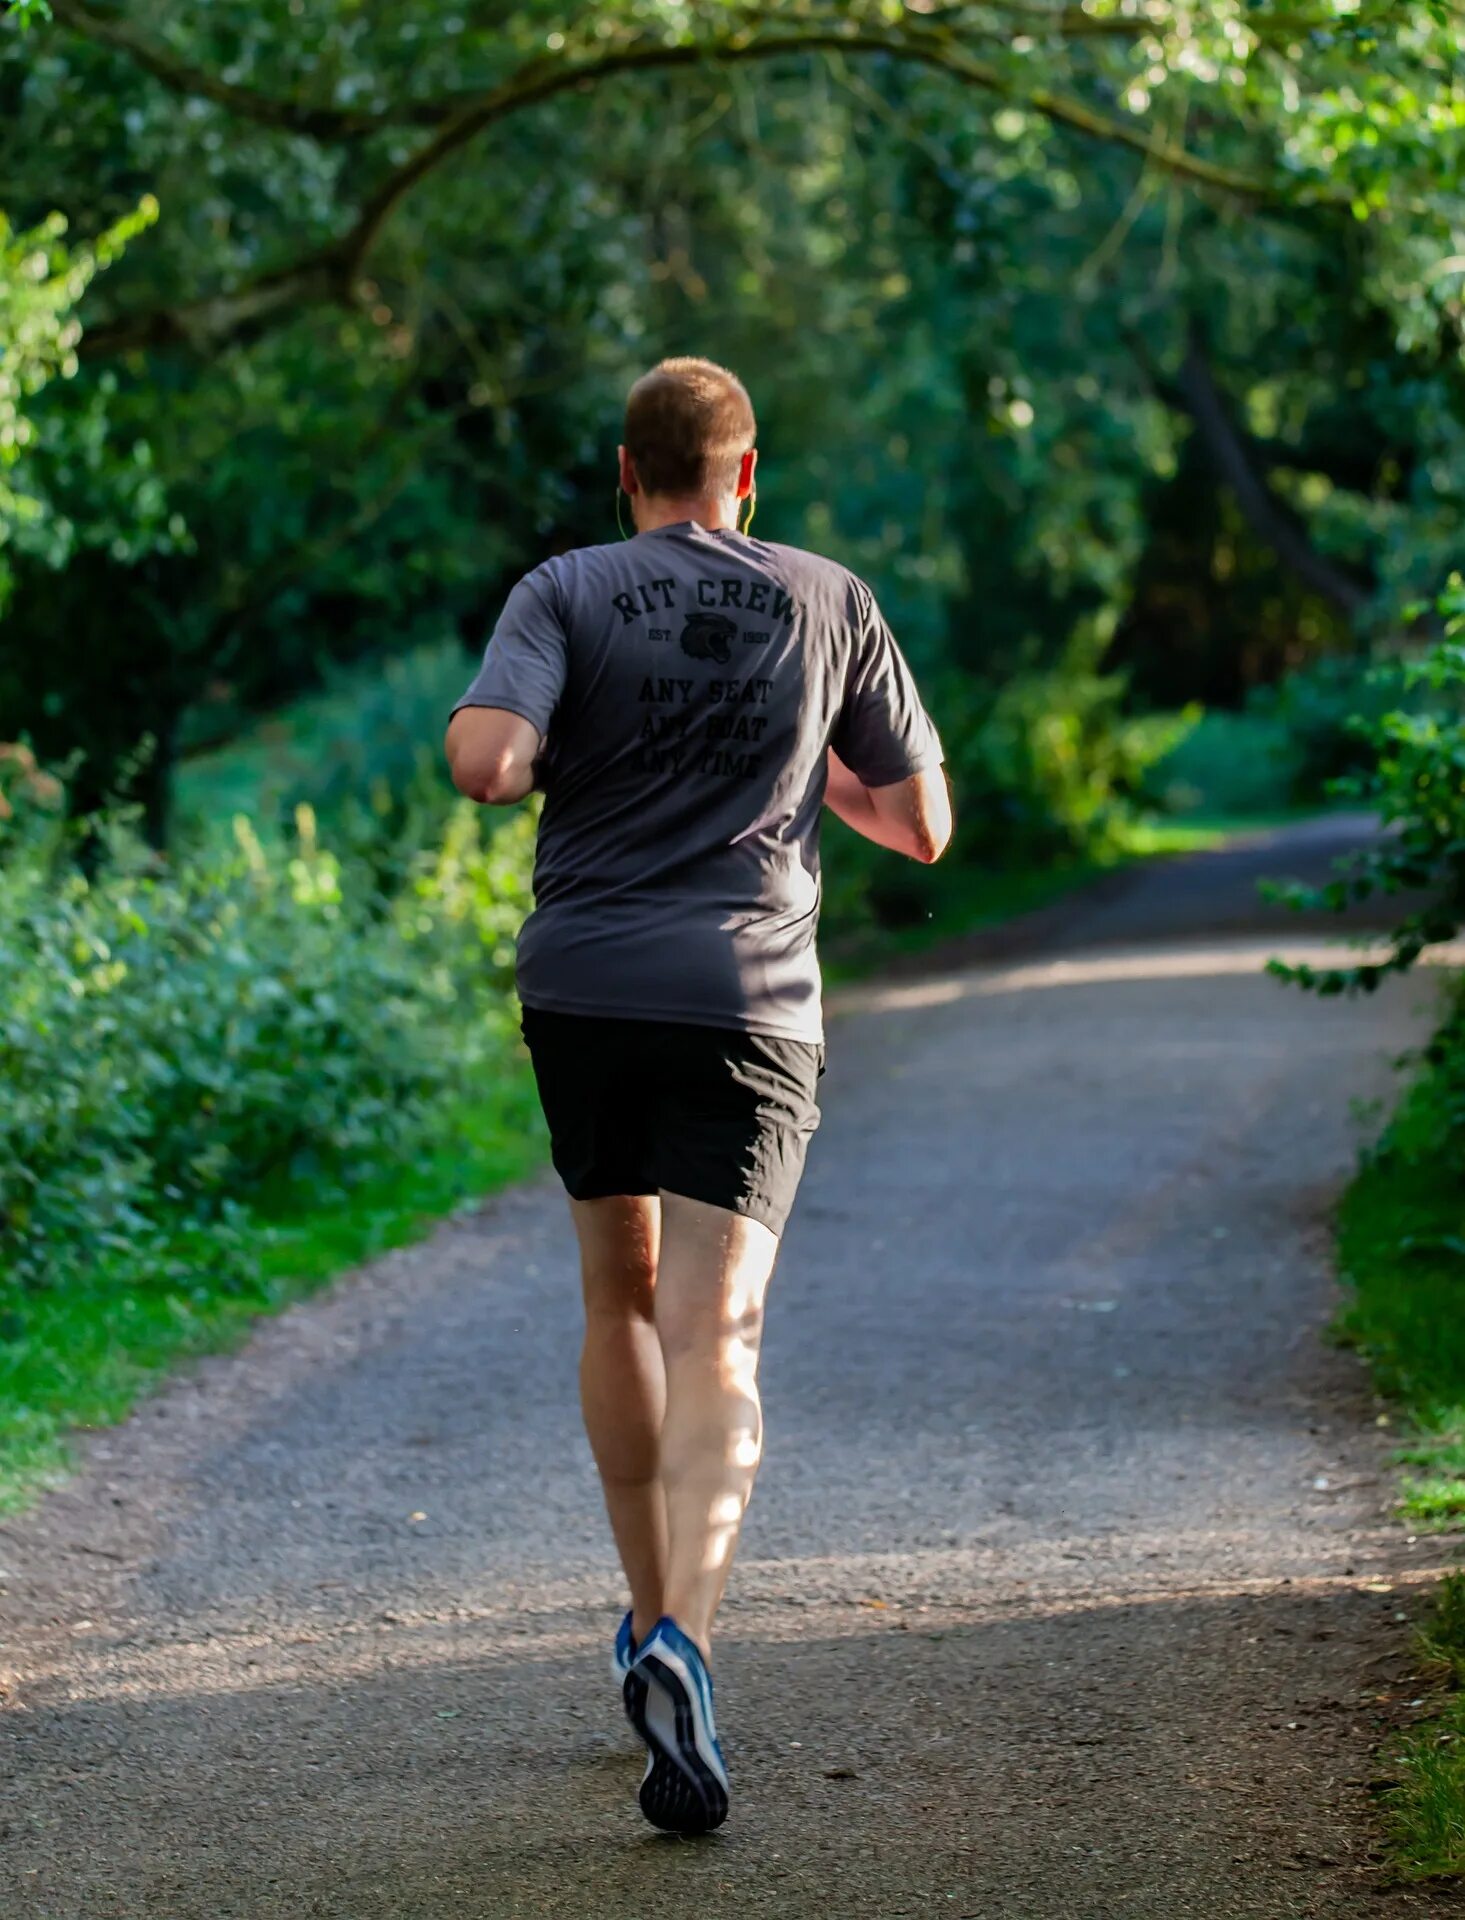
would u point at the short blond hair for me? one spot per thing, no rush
(688, 424)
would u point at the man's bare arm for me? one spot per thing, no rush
(491, 754)
(912, 817)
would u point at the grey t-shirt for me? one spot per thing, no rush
(688, 684)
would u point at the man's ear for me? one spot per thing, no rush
(629, 482)
(746, 472)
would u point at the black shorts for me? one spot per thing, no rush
(645, 1106)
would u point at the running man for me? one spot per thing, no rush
(688, 700)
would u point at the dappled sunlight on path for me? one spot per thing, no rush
(1205, 962)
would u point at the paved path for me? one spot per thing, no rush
(1067, 1592)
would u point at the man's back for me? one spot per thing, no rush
(689, 684)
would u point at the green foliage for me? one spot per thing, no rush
(364, 754)
(226, 1077)
(1229, 764)
(1416, 782)
(175, 1037)
(42, 281)
(1326, 714)
(1052, 764)
(1064, 765)
(1401, 1247)
(365, 370)
(1049, 773)
(1291, 744)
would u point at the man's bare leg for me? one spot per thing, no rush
(623, 1386)
(712, 1276)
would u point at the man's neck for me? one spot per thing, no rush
(653, 511)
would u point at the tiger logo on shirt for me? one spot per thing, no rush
(709, 636)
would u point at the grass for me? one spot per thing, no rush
(1424, 1813)
(1402, 1249)
(87, 1354)
(1401, 1244)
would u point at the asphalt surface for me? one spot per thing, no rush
(1069, 1587)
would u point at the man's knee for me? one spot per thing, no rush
(724, 1341)
(619, 1289)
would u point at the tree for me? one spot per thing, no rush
(370, 356)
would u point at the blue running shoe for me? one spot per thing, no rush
(668, 1695)
(623, 1653)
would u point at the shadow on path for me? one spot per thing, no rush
(1030, 1751)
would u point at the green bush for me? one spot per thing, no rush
(1231, 764)
(1288, 746)
(175, 1037)
(363, 754)
(1415, 782)
(1325, 713)
(1064, 765)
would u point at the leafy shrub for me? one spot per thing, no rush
(1416, 783)
(364, 747)
(1230, 764)
(1287, 746)
(172, 1037)
(1066, 764)
(1324, 713)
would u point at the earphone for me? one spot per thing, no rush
(744, 529)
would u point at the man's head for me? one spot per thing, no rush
(688, 437)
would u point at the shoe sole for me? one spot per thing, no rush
(681, 1792)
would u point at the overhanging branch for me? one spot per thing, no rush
(1004, 20)
(322, 120)
(328, 273)
(1268, 516)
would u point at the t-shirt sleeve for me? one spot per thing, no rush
(883, 733)
(524, 663)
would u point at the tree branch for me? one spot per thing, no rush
(329, 273)
(931, 50)
(323, 121)
(211, 322)
(1268, 516)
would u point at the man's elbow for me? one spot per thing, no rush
(934, 828)
(930, 844)
(492, 783)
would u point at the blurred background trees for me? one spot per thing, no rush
(1102, 338)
